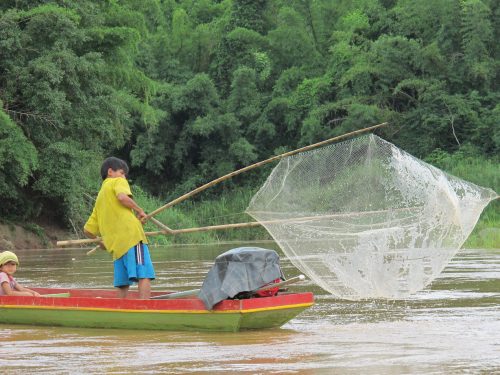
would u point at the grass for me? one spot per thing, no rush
(226, 209)
(483, 172)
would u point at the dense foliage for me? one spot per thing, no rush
(189, 90)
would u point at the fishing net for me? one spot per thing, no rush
(364, 219)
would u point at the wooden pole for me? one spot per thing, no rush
(295, 220)
(86, 241)
(232, 174)
(205, 229)
(161, 225)
(93, 250)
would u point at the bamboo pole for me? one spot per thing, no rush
(83, 241)
(278, 157)
(161, 225)
(86, 241)
(93, 250)
(237, 225)
(202, 229)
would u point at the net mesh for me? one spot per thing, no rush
(364, 219)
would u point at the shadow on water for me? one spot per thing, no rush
(451, 327)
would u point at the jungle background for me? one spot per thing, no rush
(189, 90)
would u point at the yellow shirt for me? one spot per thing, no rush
(116, 224)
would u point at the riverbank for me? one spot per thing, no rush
(30, 236)
(229, 208)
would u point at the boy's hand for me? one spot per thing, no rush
(141, 215)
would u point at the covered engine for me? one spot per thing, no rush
(240, 271)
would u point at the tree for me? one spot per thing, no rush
(291, 44)
(18, 160)
(477, 42)
(69, 82)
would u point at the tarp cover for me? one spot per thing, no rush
(242, 269)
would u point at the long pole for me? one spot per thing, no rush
(237, 172)
(295, 220)
(199, 229)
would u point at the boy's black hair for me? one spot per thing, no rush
(114, 164)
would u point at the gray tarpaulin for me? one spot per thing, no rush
(242, 269)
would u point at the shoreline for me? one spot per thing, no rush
(17, 237)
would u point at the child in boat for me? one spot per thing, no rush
(9, 285)
(121, 231)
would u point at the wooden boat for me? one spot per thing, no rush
(98, 308)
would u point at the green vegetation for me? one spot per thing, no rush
(468, 165)
(187, 91)
(227, 209)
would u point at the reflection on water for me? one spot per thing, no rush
(452, 327)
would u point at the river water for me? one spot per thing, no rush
(452, 327)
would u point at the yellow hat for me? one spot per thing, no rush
(8, 256)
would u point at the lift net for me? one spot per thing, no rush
(364, 219)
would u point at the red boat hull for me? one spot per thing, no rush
(101, 309)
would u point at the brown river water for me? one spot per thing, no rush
(452, 327)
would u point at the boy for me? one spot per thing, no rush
(121, 231)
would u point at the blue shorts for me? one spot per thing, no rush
(135, 264)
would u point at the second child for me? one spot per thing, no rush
(9, 286)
